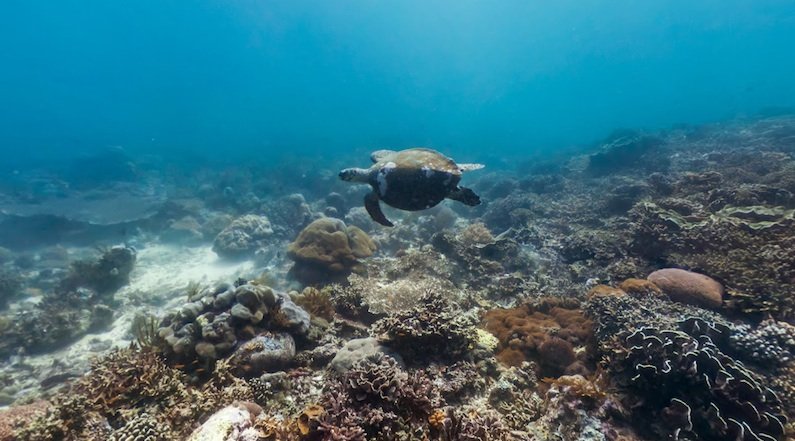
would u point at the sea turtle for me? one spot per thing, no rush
(412, 179)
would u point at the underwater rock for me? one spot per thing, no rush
(328, 250)
(360, 349)
(232, 423)
(105, 275)
(625, 152)
(292, 316)
(689, 287)
(267, 352)
(10, 286)
(243, 237)
(215, 320)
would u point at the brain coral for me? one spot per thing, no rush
(328, 249)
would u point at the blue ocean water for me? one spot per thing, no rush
(255, 79)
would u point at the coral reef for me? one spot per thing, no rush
(10, 284)
(328, 250)
(547, 332)
(214, 320)
(103, 276)
(379, 400)
(685, 368)
(360, 349)
(244, 237)
(694, 389)
(623, 151)
(430, 329)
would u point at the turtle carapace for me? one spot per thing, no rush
(412, 179)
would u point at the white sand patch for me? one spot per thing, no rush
(160, 273)
(167, 267)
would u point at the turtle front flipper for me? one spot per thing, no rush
(465, 196)
(374, 209)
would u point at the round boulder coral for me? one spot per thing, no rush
(327, 250)
(689, 287)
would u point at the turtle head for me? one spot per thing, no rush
(355, 175)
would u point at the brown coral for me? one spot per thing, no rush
(328, 250)
(546, 332)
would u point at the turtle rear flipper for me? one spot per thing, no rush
(464, 195)
(374, 209)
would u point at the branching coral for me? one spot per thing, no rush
(378, 399)
(430, 329)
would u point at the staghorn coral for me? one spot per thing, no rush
(546, 332)
(129, 378)
(328, 250)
